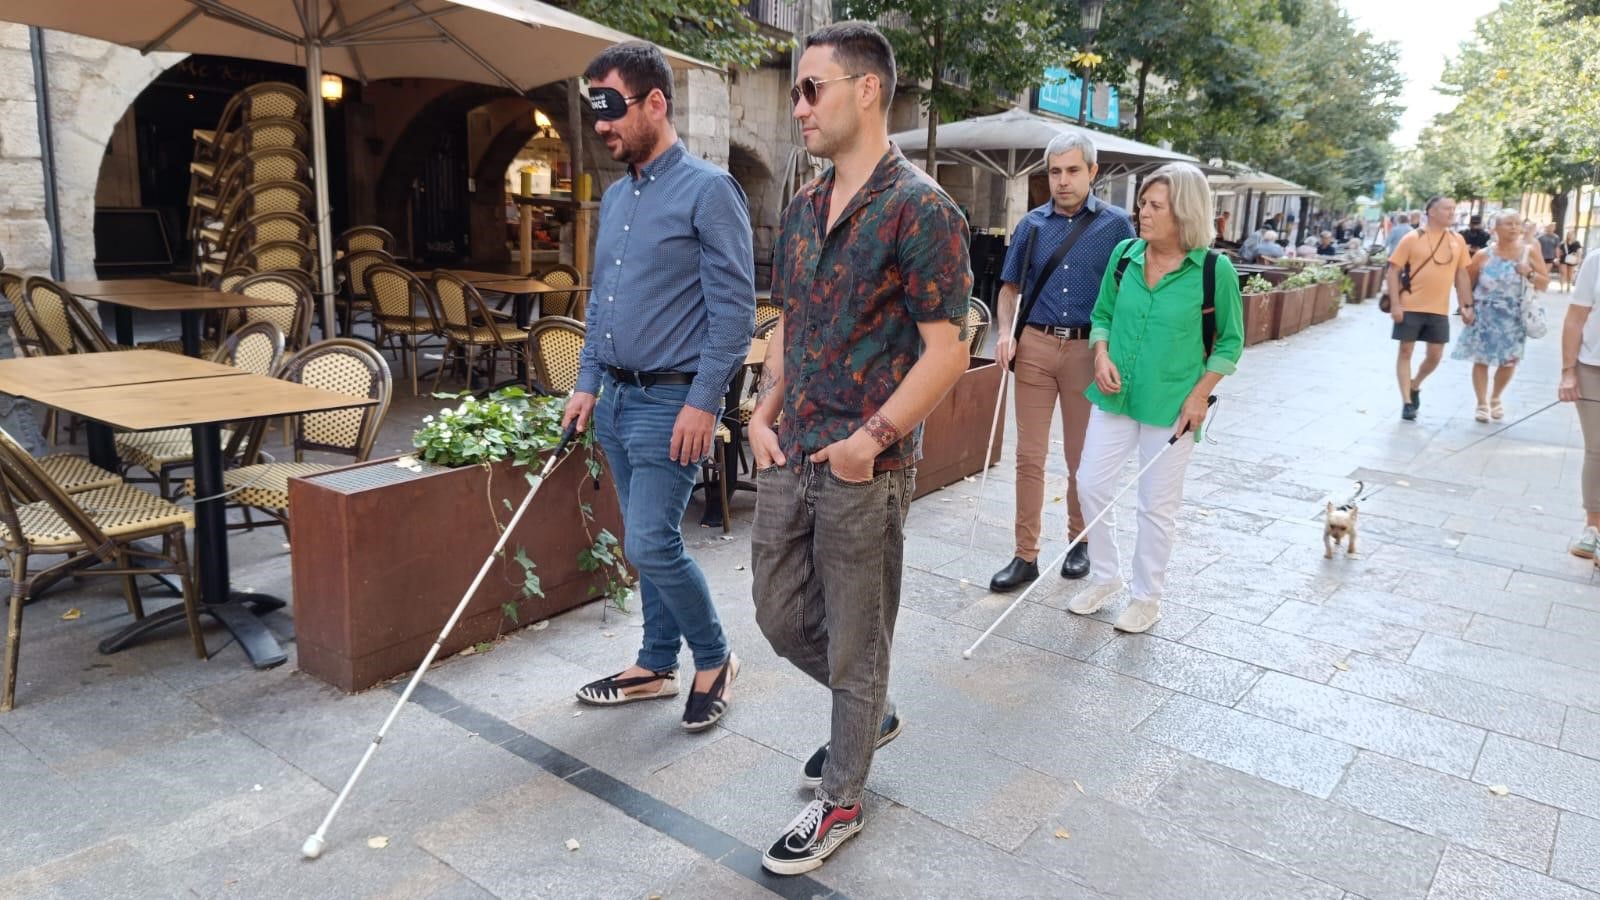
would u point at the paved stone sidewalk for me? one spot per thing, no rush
(1422, 720)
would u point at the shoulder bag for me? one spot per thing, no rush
(1532, 314)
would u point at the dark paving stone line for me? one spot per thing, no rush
(718, 846)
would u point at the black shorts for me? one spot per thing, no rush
(1429, 328)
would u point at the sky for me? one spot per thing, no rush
(1427, 32)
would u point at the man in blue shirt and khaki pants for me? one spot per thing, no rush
(670, 318)
(1053, 269)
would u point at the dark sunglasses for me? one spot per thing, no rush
(609, 104)
(808, 87)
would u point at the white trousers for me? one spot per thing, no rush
(1110, 440)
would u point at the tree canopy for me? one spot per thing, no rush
(1528, 94)
(1292, 87)
(971, 54)
(717, 31)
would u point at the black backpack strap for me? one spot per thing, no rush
(1208, 306)
(1122, 262)
(1043, 275)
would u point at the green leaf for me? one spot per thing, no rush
(509, 610)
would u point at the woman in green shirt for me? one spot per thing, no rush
(1152, 377)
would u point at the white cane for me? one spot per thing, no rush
(1112, 504)
(994, 426)
(314, 844)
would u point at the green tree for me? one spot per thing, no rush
(1528, 89)
(971, 53)
(717, 31)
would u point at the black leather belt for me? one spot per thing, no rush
(649, 379)
(1066, 333)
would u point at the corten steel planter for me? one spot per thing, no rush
(381, 554)
(1322, 304)
(1294, 312)
(1259, 310)
(954, 433)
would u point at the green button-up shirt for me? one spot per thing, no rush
(1155, 338)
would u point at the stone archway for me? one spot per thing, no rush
(92, 84)
(761, 191)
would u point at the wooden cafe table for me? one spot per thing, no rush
(145, 390)
(188, 302)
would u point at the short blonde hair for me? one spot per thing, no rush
(1191, 202)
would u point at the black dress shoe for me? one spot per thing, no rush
(1013, 576)
(1076, 565)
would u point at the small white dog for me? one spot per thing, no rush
(1340, 524)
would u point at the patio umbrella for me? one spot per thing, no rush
(1011, 144)
(519, 44)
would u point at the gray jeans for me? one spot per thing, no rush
(826, 558)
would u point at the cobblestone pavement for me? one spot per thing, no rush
(1422, 720)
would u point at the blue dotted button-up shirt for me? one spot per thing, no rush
(674, 277)
(1070, 291)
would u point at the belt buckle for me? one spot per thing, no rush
(1062, 332)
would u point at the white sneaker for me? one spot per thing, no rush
(1587, 545)
(1139, 616)
(1089, 600)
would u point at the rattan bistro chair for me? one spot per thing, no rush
(469, 326)
(403, 308)
(256, 348)
(26, 334)
(366, 237)
(38, 518)
(354, 296)
(557, 344)
(767, 315)
(560, 303)
(64, 324)
(345, 366)
(265, 100)
(978, 319)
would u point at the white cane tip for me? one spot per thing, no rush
(966, 654)
(312, 848)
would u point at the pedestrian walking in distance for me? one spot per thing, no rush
(1423, 269)
(1501, 274)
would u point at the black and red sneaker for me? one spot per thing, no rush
(818, 831)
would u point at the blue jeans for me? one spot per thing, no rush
(634, 427)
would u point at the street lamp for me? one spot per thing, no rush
(1089, 12)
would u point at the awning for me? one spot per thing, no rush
(1011, 144)
(520, 44)
(1254, 180)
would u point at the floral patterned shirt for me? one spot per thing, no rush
(852, 298)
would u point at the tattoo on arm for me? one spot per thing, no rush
(766, 385)
(882, 431)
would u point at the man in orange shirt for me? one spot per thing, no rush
(1425, 266)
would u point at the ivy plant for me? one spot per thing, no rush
(512, 424)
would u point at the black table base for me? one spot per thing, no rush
(259, 643)
(210, 556)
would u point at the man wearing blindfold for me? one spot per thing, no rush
(670, 319)
(874, 276)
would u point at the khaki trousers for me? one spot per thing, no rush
(1049, 371)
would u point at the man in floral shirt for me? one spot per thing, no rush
(874, 277)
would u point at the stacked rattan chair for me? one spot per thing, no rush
(250, 185)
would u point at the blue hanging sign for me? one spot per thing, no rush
(1062, 91)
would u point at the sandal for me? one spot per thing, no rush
(1496, 411)
(1482, 414)
(706, 707)
(613, 690)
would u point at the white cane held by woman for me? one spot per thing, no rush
(315, 844)
(967, 653)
